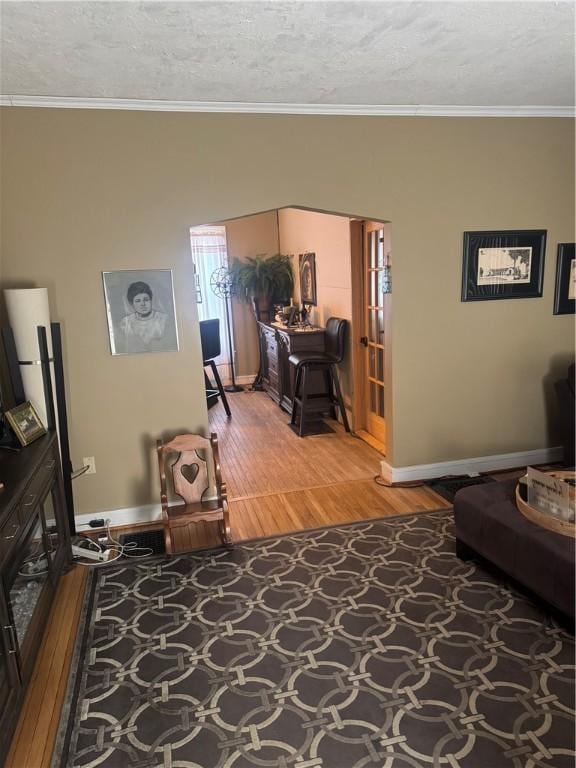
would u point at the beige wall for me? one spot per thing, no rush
(84, 191)
(249, 236)
(329, 238)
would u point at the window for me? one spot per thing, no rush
(209, 253)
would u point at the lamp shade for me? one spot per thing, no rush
(27, 309)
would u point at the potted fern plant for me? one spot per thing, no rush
(263, 280)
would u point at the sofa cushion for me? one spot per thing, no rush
(488, 521)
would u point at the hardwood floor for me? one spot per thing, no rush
(36, 731)
(326, 505)
(277, 483)
(260, 454)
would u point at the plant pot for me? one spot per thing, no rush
(263, 308)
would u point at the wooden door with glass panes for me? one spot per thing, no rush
(376, 274)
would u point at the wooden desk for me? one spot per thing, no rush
(276, 346)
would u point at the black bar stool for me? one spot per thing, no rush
(325, 362)
(210, 341)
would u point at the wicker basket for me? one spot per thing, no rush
(549, 521)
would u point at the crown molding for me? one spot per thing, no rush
(239, 107)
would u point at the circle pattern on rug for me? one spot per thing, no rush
(369, 645)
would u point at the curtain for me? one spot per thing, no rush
(209, 253)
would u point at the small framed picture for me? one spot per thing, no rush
(140, 311)
(307, 263)
(565, 294)
(507, 264)
(25, 422)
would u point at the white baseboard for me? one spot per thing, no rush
(146, 513)
(472, 466)
(151, 513)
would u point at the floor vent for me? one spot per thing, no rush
(153, 540)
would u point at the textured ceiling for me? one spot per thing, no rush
(342, 53)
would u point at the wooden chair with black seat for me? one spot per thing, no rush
(192, 489)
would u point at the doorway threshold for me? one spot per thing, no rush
(371, 440)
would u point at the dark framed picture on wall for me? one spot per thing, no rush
(503, 264)
(565, 294)
(307, 265)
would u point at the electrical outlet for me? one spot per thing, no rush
(90, 462)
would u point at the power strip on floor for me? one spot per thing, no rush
(85, 553)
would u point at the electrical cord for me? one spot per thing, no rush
(31, 566)
(379, 480)
(79, 472)
(88, 525)
(130, 547)
(130, 550)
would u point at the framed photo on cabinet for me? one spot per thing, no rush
(26, 423)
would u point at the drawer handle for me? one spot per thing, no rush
(15, 527)
(32, 498)
(10, 629)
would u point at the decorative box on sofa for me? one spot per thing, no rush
(489, 524)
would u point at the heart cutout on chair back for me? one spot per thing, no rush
(190, 472)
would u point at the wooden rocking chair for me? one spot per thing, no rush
(191, 482)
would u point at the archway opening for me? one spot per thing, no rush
(340, 263)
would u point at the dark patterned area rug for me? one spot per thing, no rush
(361, 646)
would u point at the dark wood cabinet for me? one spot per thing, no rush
(34, 550)
(276, 346)
(9, 680)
